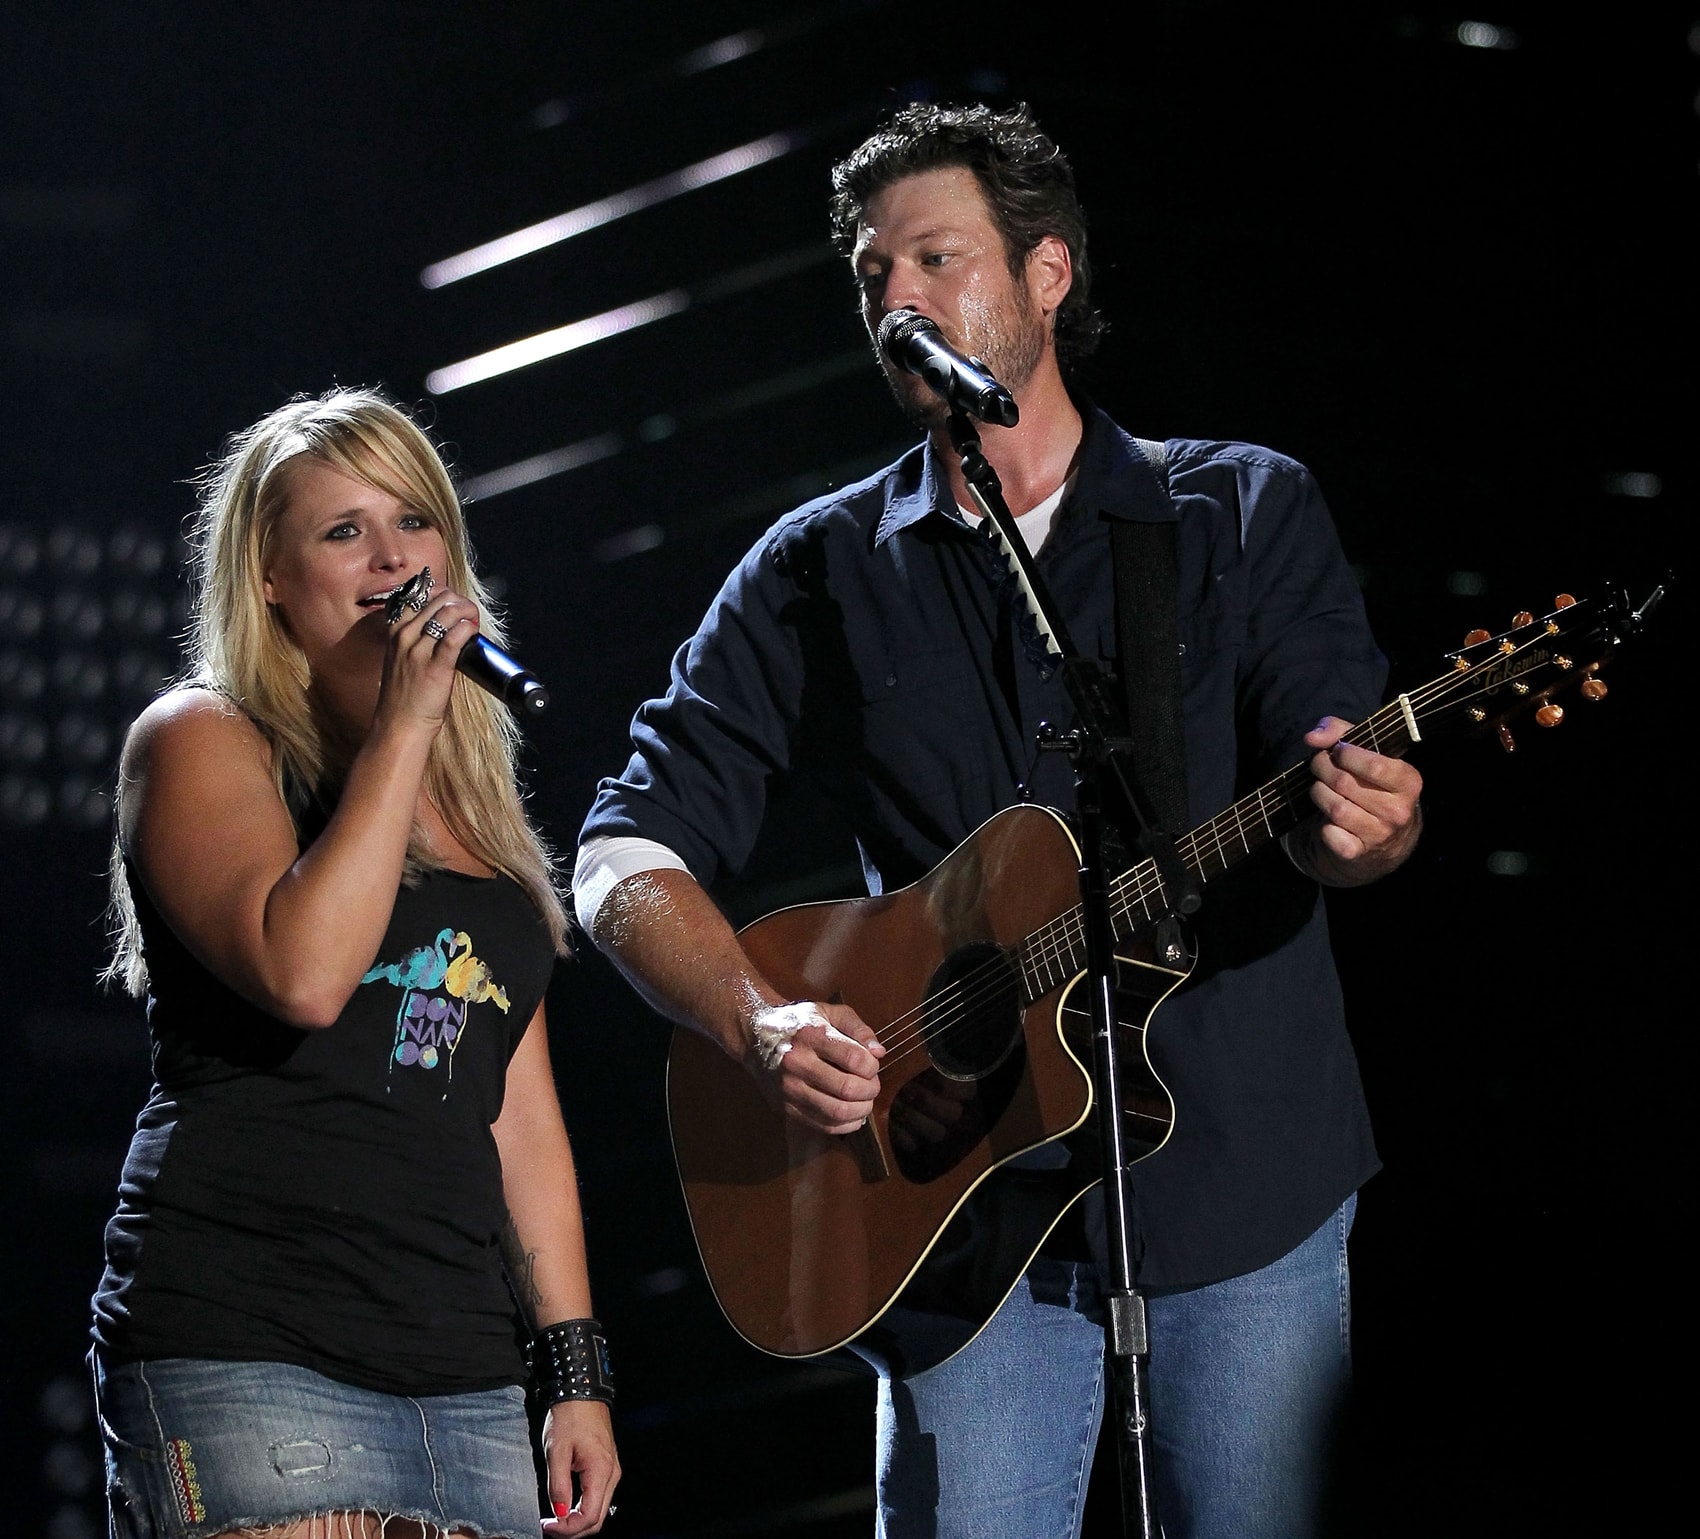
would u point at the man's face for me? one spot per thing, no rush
(927, 243)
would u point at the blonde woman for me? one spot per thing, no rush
(327, 888)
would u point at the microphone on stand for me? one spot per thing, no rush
(917, 346)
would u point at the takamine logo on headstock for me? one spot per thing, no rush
(1497, 677)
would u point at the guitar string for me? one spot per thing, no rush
(1060, 940)
(950, 1008)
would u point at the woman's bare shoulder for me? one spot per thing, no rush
(191, 716)
(187, 744)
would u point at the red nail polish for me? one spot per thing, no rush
(563, 1509)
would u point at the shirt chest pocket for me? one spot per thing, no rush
(1212, 622)
(924, 718)
(903, 675)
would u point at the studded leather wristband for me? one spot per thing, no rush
(569, 1361)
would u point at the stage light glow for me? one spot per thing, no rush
(1483, 34)
(551, 344)
(1634, 483)
(541, 466)
(551, 232)
(1466, 584)
(21, 614)
(24, 800)
(634, 542)
(723, 50)
(1508, 863)
(659, 426)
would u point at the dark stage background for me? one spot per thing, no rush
(1445, 261)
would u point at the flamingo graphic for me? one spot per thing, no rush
(422, 968)
(439, 984)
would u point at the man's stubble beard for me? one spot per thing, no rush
(1011, 351)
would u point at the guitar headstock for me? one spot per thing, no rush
(1524, 668)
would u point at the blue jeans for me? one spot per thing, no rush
(1247, 1377)
(197, 1447)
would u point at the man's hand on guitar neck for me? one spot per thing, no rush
(1369, 818)
(819, 1063)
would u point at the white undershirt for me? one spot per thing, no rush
(1035, 523)
(604, 863)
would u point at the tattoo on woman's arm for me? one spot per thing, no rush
(522, 1272)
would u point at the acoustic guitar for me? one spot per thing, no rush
(903, 1238)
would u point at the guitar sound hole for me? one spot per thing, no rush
(973, 1011)
(979, 1055)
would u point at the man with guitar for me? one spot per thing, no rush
(871, 642)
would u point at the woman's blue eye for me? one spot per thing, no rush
(342, 532)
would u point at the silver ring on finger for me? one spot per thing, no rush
(435, 629)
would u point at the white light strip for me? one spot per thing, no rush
(723, 50)
(551, 344)
(587, 451)
(550, 232)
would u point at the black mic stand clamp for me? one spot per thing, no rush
(1097, 748)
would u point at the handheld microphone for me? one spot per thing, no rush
(481, 660)
(489, 667)
(917, 346)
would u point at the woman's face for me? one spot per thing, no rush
(340, 548)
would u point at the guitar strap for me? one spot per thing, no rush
(1148, 651)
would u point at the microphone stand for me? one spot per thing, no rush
(1097, 747)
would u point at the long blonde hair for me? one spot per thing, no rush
(239, 648)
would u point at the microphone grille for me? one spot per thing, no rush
(898, 327)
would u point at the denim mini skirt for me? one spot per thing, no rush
(196, 1447)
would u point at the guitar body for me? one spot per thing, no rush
(905, 1236)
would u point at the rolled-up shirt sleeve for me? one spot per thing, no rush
(604, 863)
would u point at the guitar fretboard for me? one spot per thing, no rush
(1056, 951)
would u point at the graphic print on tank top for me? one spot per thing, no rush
(439, 984)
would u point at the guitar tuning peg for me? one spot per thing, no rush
(1506, 740)
(1594, 689)
(1476, 636)
(1522, 617)
(1549, 715)
(1564, 601)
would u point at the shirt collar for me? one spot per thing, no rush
(918, 488)
(1113, 478)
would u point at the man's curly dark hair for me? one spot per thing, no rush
(1027, 181)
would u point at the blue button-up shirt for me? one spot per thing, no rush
(871, 642)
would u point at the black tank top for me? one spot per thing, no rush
(332, 1198)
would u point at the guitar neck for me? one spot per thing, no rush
(1491, 679)
(1273, 810)
(1055, 952)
